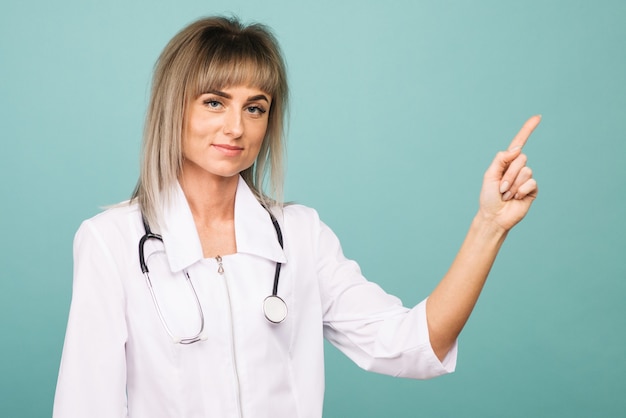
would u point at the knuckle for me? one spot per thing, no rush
(529, 186)
(523, 158)
(527, 171)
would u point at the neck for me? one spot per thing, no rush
(210, 199)
(212, 203)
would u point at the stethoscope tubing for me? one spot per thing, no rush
(279, 236)
(274, 307)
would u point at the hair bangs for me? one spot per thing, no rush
(235, 63)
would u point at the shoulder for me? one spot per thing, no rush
(301, 219)
(114, 223)
(304, 224)
(296, 212)
(117, 216)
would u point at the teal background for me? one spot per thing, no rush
(397, 109)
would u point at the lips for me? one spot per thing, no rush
(229, 150)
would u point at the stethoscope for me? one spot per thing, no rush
(274, 307)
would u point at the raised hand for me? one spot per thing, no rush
(508, 186)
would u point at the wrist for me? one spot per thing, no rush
(487, 226)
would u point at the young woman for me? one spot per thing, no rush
(204, 296)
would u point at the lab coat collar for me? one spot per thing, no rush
(254, 232)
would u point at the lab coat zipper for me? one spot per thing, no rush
(221, 272)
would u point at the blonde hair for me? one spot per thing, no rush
(210, 54)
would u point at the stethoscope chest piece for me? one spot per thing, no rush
(275, 309)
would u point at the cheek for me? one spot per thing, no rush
(197, 134)
(260, 134)
(195, 129)
(256, 146)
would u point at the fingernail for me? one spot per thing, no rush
(506, 196)
(504, 186)
(515, 149)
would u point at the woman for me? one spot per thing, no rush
(203, 338)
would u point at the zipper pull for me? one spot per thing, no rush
(220, 266)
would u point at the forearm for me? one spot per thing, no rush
(451, 302)
(507, 193)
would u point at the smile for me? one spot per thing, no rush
(228, 150)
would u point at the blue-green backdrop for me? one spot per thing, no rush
(397, 108)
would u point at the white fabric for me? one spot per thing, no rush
(118, 361)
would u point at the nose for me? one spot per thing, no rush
(233, 123)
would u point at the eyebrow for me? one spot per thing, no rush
(228, 96)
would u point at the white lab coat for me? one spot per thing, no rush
(118, 361)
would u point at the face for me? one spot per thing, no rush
(224, 130)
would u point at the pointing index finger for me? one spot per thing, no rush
(523, 134)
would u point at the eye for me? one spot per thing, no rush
(212, 104)
(256, 110)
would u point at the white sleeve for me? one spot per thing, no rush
(370, 326)
(92, 375)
